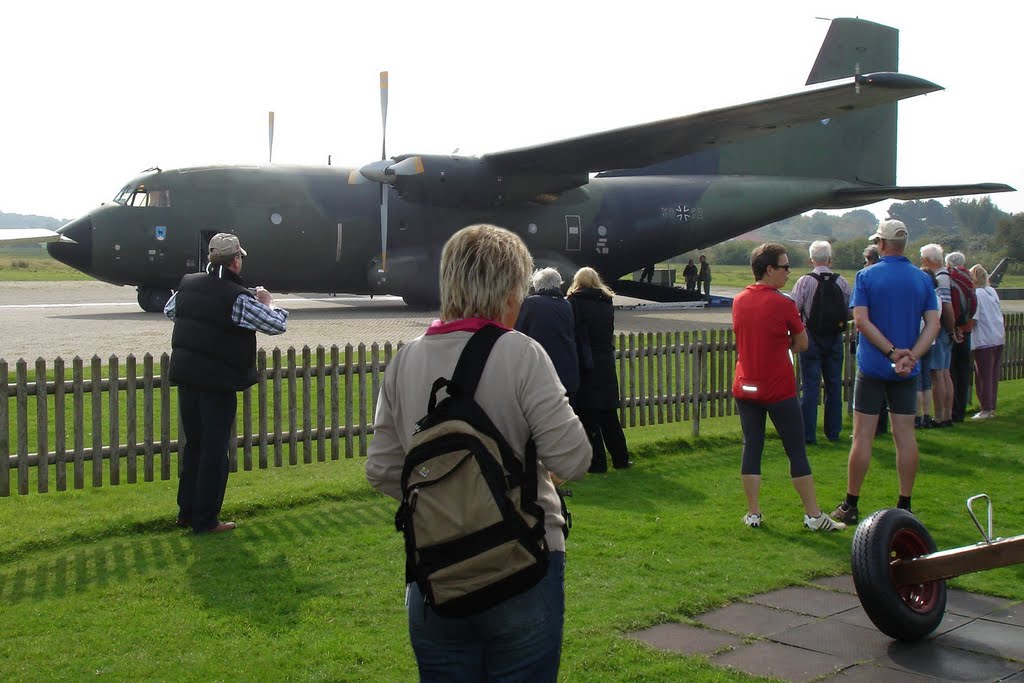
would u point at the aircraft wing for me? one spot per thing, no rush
(858, 196)
(649, 143)
(30, 236)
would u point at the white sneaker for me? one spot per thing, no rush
(753, 521)
(822, 523)
(983, 415)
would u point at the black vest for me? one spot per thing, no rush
(208, 351)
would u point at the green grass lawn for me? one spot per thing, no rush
(33, 263)
(97, 584)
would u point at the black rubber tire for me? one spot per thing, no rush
(153, 299)
(909, 613)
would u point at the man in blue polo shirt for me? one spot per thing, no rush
(889, 300)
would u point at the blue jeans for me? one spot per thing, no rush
(823, 360)
(519, 639)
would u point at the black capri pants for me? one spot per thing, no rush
(789, 423)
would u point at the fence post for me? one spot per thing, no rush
(59, 426)
(5, 433)
(277, 407)
(261, 372)
(335, 401)
(165, 418)
(640, 369)
(699, 381)
(78, 390)
(362, 398)
(349, 423)
(307, 407)
(96, 399)
(293, 437)
(147, 417)
(131, 431)
(321, 407)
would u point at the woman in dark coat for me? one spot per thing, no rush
(547, 317)
(598, 397)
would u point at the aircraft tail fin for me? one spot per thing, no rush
(858, 147)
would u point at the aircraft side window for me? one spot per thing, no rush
(159, 198)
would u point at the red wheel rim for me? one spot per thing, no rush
(920, 597)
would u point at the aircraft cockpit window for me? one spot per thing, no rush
(143, 197)
(122, 196)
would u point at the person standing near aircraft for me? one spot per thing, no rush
(213, 356)
(942, 382)
(768, 328)
(690, 276)
(889, 300)
(704, 276)
(989, 340)
(598, 398)
(823, 300)
(547, 317)
(960, 362)
(647, 274)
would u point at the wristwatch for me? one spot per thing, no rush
(890, 352)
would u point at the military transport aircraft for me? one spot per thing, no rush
(660, 189)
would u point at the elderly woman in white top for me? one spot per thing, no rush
(485, 274)
(989, 339)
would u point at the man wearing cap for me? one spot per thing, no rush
(889, 300)
(213, 356)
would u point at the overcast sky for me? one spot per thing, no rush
(92, 93)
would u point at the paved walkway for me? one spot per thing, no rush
(822, 633)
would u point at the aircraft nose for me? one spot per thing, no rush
(78, 254)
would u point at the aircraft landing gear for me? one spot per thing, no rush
(153, 299)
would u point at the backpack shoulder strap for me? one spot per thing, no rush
(473, 359)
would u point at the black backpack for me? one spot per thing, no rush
(828, 312)
(474, 532)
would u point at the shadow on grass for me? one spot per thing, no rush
(223, 569)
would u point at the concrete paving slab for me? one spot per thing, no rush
(1011, 615)
(781, 661)
(869, 673)
(750, 619)
(686, 639)
(812, 601)
(932, 658)
(843, 584)
(990, 637)
(974, 604)
(858, 617)
(847, 642)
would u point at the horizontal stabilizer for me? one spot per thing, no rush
(859, 196)
(31, 236)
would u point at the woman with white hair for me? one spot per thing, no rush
(989, 339)
(598, 399)
(547, 317)
(485, 273)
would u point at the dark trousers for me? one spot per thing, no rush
(206, 421)
(603, 429)
(960, 366)
(706, 286)
(823, 360)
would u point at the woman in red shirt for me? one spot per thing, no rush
(768, 331)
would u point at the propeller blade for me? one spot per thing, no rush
(383, 114)
(410, 166)
(385, 191)
(270, 128)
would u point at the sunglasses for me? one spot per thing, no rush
(784, 267)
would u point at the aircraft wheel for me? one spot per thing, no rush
(907, 613)
(153, 299)
(422, 302)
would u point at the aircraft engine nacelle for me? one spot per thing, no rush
(411, 274)
(458, 181)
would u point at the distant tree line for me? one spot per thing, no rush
(18, 220)
(977, 227)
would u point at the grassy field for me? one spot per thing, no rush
(33, 263)
(98, 584)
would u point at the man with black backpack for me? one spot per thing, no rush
(823, 299)
(965, 305)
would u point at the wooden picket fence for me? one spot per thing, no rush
(311, 405)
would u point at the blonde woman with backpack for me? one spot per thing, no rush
(485, 275)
